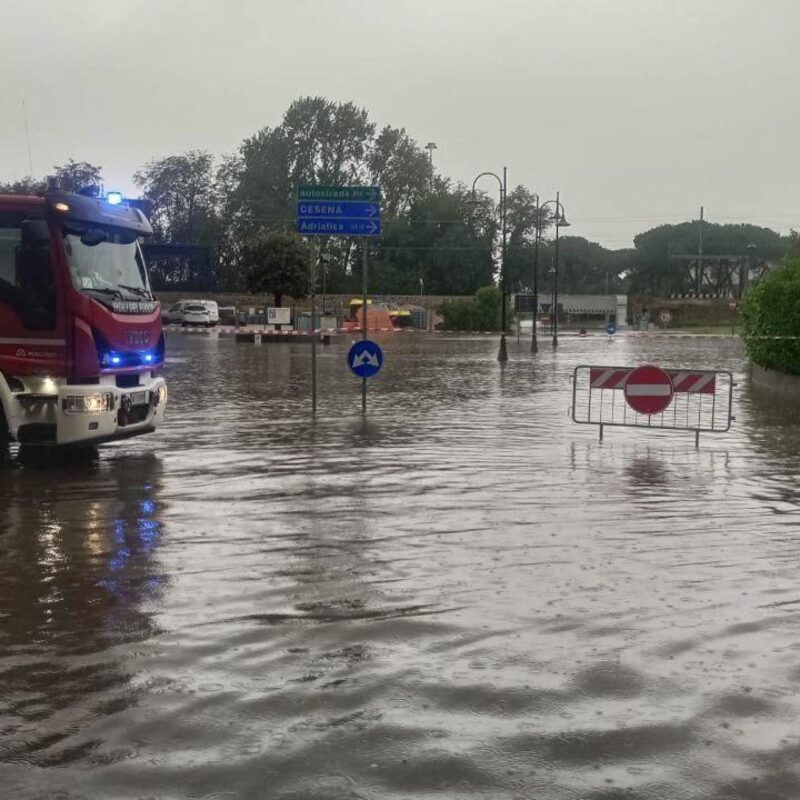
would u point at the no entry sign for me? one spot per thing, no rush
(648, 390)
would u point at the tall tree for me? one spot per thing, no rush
(27, 185)
(75, 175)
(665, 263)
(72, 176)
(524, 215)
(401, 168)
(183, 193)
(277, 262)
(445, 241)
(318, 141)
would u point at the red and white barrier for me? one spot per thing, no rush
(654, 398)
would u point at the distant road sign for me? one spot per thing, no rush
(523, 303)
(665, 317)
(365, 358)
(339, 210)
(611, 329)
(648, 390)
(279, 316)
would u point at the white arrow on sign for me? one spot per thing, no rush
(366, 358)
(373, 210)
(372, 226)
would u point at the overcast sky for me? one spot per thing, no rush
(638, 111)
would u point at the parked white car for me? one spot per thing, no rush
(195, 314)
(177, 314)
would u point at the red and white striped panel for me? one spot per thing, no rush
(693, 382)
(608, 378)
(682, 380)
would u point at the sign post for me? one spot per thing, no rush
(364, 318)
(314, 255)
(340, 211)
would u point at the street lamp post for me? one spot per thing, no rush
(560, 220)
(502, 355)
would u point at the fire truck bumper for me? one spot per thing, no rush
(87, 415)
(91, 416)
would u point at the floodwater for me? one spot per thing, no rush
(464, 596)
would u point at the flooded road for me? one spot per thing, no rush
(465, 596)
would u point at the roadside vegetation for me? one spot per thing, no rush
(478, 313)
(772, 309)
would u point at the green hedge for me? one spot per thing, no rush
(772, 308)
(479, 313)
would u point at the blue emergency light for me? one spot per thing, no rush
(114, 198)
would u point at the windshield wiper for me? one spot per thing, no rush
(137, 290)
(111, 292)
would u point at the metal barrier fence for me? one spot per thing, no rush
(693, 400)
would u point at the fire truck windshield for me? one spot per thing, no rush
(107, 263)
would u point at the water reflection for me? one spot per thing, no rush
(78, 574)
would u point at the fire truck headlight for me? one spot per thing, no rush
(162, 394)
(88, 403)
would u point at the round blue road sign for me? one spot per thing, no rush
(365, 358)
(611, 329)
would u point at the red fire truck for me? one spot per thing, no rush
(81, 345)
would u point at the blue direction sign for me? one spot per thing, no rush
(611, 329)
(370, 194)
(365, 358)
(339, 210)
(325, 226)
